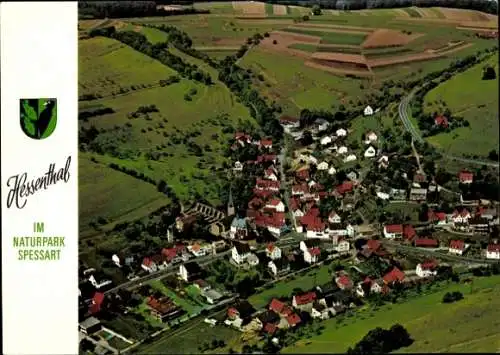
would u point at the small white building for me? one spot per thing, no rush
(342, 150)
(383, 195)
(273, 252)
(350, 157)
(370, 152)
(426, 269)
(342, 246)
(341, 132)
(322, 166)
(325, 140)
(368, 111)
(311, 255)
(370, 137)
(332, 171)
(240, 253)
(383, 161)
(493, 251)
(238, 166)
(334, 218)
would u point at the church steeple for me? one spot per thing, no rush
(230, 203)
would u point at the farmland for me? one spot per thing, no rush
(434, 326)
(112, 195)
(475, 100)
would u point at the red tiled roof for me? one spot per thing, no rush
(277, 306)
(266, 158)
(293, 319)
(465, 176)
(270, 328)
(305, 298)
(267, 184)
(394, 228)
(373, 244)
(169, 253)
(231, 312)
(436, 216)
(315, 251)
(457, 244)
(274, 202)
(242, 136)
(266, 142)
(346, 186)
(255, 202)
(426, 242)
(429, 265)
(302, 174)
(270, 247)
(409, 232)
(147, 262)
(344, 280)
(294, 204)
(394, 275)
(494, 248)
(441, 121)
(97, 301)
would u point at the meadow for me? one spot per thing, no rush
(471, 323)
(105, 66)
(332, 37)
(475, 100)
(112, 195)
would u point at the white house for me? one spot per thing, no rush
(238, 166)
(325, 140)
(332, 171)
(238, 228)
(352, 176)
(98, 284)
(426, 269)
(342, 150)
(270, 174)
(493, 251)
(370, 137)
(457, 247)
(383, 195)
(350, 157)
(252, 260)
(311, 255)
(370, 152)
(342, 246)
(368, 111)
(149, 265)
(383, 161)
(276, 205)
(334, 218)
(297, 213)
(341, 132)
(321, 124)
(322, 166)
(240, 253)
(316, 230)
(273, 252)
(461, 217)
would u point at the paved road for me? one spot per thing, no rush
(435, 253)
(403, 115)
(203, 260)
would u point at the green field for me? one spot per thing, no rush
(471, 324)
(332, 37)
(295, 86)
(113, 195)
(412, 12)
(312, 48)
(284, 288)
(106, 65)
(474, 99)
(183, 302)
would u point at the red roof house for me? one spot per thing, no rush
(270, 328)
(279, 307)
(302, 174)
(436, 216)
(466, 177)
(293, 319)
(441, 121)
(306, 298)
(373, 244)
(97, 302)
(457, 246)
(344, 282)
(266, 143)
(345, 187)
(409, 232)
(395, 275)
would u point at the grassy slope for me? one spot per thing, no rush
(104, 192)
(472, 323)
(105, 65)
(175, 113)
(296, 86)
(477, 101)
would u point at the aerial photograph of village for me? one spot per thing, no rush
(288, 177)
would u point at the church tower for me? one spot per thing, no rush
(230, 203)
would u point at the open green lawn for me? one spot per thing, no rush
(293, 85)
(113, 195)
(106, 65)
(183, 302)
(332, 37)
(284, 288)
(471, 324)
(474, 99)
(188, 341)
(412, 12)
(404, 209)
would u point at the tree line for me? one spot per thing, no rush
(127, 9)
(485, 6)
(158, 51)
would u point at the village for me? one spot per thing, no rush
(326, 198)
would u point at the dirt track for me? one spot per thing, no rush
(290, 37)
(340, 57)
(386, 38)
(323, 27)
(329, 30)
(337, 70)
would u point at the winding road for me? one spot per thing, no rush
(403, 115)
